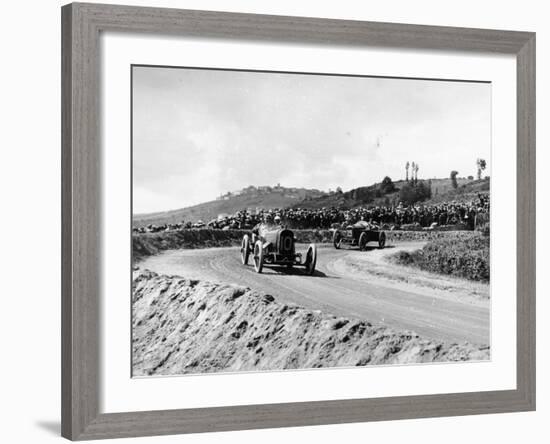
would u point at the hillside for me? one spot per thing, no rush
(372, 195)
(466, 191)
(250, 198)
(367, 195)
(280, 197)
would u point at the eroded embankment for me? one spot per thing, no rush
(148, 244)
(187, 326)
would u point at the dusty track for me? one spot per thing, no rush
(354, 284)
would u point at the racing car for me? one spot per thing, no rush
(277, 247)
(358, 236)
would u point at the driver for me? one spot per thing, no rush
(349, 221)
(265, 226)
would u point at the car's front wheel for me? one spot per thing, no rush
(363, 240)
(382, 240)
(245, 249)
(258, 257)
(311, 259)
(337, 239)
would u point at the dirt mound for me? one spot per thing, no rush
(187, 326)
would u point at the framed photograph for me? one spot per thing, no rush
(278, 221)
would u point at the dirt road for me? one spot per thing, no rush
(361, 285)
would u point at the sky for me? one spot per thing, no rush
(200, 133)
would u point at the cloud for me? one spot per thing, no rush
(199, 133)
(145, 200)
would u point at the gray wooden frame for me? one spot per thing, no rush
(81, 167)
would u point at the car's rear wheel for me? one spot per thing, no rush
(337, 239)
(245, 249)
(258, 257)
(382, 240)
(311, 259)
(363, 239)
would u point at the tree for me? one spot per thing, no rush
(409, 193)
(407, 165)
(416, 167)
(387, 186)
(364, 194)
(453, 179)
(339, 190)
(481, 165)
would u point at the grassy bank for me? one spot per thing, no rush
(467, 258)
(148, 244)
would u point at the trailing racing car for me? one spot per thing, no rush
(277, 247)
(358, 236)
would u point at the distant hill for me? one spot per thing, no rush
(248, 198)
(442, 187)
(375, 195)
(252, 198)
(466, 191)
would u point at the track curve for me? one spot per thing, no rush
(335, 288)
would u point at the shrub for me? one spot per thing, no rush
(410, 193)
(362, 194)
(467, 258)
(453, 179)
(387, 186)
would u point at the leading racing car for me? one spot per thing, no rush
(277, 247)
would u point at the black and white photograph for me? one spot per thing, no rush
(295, 221)
(243, 222)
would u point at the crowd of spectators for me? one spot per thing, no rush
(468, 214)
